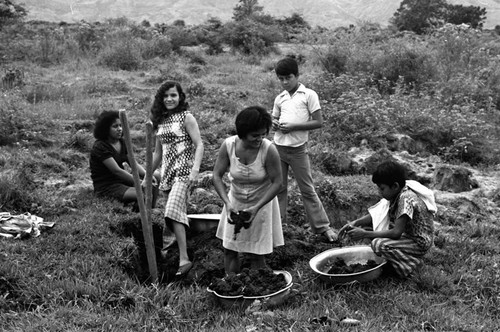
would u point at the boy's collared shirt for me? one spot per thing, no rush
(297, 108)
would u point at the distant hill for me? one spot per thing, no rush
(326, 13)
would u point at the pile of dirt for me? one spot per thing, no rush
(339, 266)
(207, 253)
(249, 283)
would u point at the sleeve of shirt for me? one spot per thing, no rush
(405, 206)
(102, 151)
(313, 102)
(276, 108)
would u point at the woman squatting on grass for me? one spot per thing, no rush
(109, 152)
(179, 149)
(401, 225)
(250, 221)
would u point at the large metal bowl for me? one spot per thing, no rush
(351, 255)
(203, 222)
(241, 301)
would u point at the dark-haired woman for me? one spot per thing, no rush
(107, 157)
(179, 149)
(254, 170)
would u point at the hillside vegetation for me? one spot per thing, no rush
(440, 89)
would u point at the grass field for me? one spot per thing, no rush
(77, 275)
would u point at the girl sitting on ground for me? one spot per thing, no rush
(107, 158)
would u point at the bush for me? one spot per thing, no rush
(251, 38)
(10, 12)
(89, 38)
(124, 55)
(402, 62)
(159, 46)
(179, 36)
(335, 61)
(210, 34)
(50, 47)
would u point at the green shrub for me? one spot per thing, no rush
(89, 38)
(458, 51)
(335, 61)
(17, 187)
(158, 46)
(399, 61)
(250, 37)
(11, 12)
(196, 89)
(180, 36)
(214, 43)
(11, 123)
(124, 55)
(50, 47)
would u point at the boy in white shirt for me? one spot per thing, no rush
(296, 111)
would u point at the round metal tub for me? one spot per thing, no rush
(203, 222)
(241, 301)
(351, 255)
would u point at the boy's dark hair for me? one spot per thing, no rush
(286, 67)
(252, 119)
(390, 172)
(158, 110)
(103, 124)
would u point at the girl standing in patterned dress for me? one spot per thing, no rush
(179, 149)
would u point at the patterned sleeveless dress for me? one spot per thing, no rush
(177, 162)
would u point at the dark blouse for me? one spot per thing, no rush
(101, 175)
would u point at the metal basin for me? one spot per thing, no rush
(203, 222)
(351, 255)
(242, 302)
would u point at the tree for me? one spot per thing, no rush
(246, 9)
(293, 25)
(179, 23)
(9, 10)
(458, 14)
(419, 15)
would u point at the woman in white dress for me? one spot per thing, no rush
(250, 221)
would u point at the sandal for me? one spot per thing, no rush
(330, 235)
(184, 269)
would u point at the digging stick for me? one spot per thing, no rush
(149, 171)
(147, 228)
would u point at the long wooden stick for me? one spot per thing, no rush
(149, 170)
(147, 228)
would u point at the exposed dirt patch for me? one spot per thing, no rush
(207, 253)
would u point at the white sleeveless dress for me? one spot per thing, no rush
(248, 184)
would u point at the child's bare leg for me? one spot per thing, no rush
(231, 261)
(180, 235)
(257, 261)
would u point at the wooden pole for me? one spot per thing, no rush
(147, 228)
(149, 170)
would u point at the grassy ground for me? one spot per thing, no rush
(78, 276)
